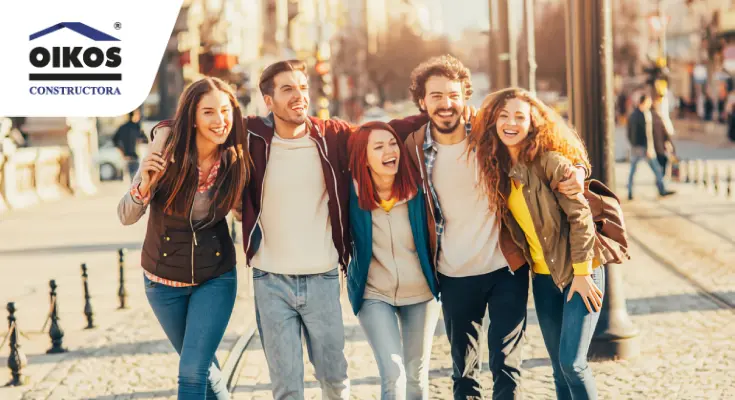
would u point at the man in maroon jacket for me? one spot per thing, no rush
(295, 225)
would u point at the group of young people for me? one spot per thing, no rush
(452, 211)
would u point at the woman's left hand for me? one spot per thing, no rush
(586, 287)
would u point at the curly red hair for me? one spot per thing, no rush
(548, 132)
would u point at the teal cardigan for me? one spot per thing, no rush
(361, 226)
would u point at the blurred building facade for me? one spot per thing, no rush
(237, 39)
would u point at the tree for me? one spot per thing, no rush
(551, 48)
(625, 28)
(389, 69)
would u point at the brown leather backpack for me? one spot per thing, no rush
(608, 217)
(612, 240)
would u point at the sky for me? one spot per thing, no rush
(462, 14)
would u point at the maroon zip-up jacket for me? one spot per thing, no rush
(330, 137)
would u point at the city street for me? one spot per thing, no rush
(680, 287)
(72, 283)
(127, 354)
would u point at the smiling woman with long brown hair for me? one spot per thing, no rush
(525, 149)
(190, 181)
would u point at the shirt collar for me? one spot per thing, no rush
(428, 140)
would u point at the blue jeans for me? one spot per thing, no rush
(194, 319)
(567, 328)
(284, 306)
(637, 155)
(401, 340)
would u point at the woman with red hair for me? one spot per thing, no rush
(391, 281)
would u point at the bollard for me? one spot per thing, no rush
(121, 293)
(87, 305)
(729, 181)
(16, 360)
(705, 175)
(716, 180)
(55, 332)
(676, 167)
(689, 172)
(696, 172)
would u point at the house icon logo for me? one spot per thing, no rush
(78, 27)
(69, 61)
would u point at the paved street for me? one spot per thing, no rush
(680, 287)
(128, 355)
(682, 254)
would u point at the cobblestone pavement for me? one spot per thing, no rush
(682, 247)
(687, 347)
(127, 355)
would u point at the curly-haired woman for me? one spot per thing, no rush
(526, 149)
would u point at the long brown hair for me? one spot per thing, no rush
(404, 185)
(548, 132)
(181, 178)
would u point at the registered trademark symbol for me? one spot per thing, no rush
(118, 26)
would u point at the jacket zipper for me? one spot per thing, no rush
(191, 223)
(194, 237)
(262, 191)
(393, 254)
(336, 191)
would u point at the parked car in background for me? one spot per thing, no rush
(110, 162)
(110, 159)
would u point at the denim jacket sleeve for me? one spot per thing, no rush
(581, 226)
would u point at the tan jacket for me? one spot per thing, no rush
(563, 225)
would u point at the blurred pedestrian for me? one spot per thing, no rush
(731, 124)
(126, 139)
(534, 148)
(640, 135)
(193, 176)
(662, 132)
(709, 107)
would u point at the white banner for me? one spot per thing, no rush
(79, 58)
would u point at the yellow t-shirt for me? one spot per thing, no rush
(519, 209)
(387, 205)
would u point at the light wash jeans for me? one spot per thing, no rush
(194, 319)
(401, 339)
(286, 304)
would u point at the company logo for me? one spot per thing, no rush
(69, 61)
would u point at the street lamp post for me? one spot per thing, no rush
(590, 87)
(531, 37)
(503, 55)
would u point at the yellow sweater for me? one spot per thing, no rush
(519, 209)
